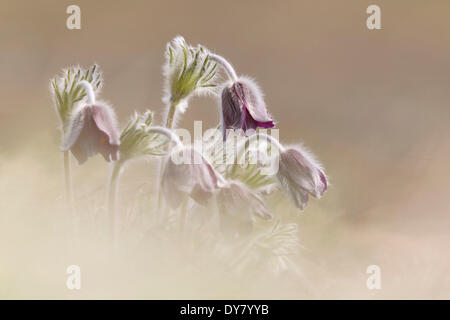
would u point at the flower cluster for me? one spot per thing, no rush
(238, 194)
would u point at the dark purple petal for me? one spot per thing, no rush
(249, 123)
(243, 107)
(254, 108)
(231, 110)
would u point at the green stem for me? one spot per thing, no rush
(171, 114)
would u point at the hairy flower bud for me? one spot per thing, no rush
(243, 106)
(300, 174)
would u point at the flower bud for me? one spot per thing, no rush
(300, 174)
(243, 106)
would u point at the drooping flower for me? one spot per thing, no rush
(300, 174)
(188, 71)
(188, 173)
(67, 94)
(243, 106)
(238, 205)
(242, 102)
(92, 129)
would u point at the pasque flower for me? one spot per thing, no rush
(92, 129)
(191, 176)
(67, 94)
(242, 102)
(300, 174)
(243, 106)
(188, 71)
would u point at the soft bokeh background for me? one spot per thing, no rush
(373, 106)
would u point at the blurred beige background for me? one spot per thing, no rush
(372, 105)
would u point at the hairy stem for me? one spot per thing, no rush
(226, 65)
(168, 133)
(89, 91)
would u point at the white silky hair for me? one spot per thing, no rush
(252, 86)
(61, 82)
(308, 154)
(172, 69)
(316, 164)
(89, 90)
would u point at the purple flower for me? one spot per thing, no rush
(243, 106)
(300, 174)
(238, 205)
(191, 176)
(92, 129)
